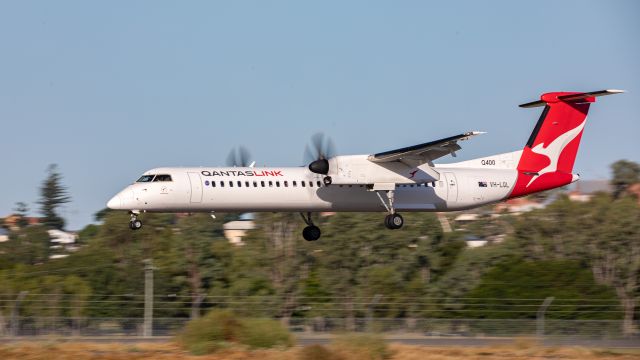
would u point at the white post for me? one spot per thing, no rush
(147, 327)
(540, 317)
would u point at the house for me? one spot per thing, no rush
(234, 231)
(518, 206)
(474, 241)
(62, 243)
(11, 221)
(584, 190)
(4, 235)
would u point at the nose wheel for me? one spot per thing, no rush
(311, 232)
(135, 223)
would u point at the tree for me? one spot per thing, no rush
(21, 210)
(625, 173)
(52, 195)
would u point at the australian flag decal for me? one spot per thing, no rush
(482, 184)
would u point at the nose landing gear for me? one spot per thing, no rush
(311, 232)
(135, 223)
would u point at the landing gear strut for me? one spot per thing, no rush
(135, 223)
(393, 220)
(311, 232)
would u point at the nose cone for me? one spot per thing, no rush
(115, 203)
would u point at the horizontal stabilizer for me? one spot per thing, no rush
(571, 97)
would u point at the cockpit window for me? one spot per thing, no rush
(145, 178)
(163, 177)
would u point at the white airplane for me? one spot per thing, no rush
(404, 179)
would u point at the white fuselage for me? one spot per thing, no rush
(239, 189)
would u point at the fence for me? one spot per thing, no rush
(428, 327)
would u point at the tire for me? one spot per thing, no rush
(387, 222)
(311, 233)
(135, 225)
(396, 221)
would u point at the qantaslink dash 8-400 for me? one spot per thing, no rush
(403, 179)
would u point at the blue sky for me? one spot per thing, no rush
(108, 90)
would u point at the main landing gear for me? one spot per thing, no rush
(393, 220)
(311, 232)
(135, 223)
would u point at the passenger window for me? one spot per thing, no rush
(319, 184)
(295, 184)
(145, 178)
(270, 183)
(303, 183)
(255, 184)
(262, 183)
(213, 184)
(239, 183)
(286, 183)
(221, 183)
(230, 183)
(246, 183)
(310, 183)
(277, 183)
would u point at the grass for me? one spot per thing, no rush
(165, 351)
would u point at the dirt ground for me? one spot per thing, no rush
(82, 351)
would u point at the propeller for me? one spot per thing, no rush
(239, 157)
(318, 151)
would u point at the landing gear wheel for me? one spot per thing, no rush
(311, 233)
(393, 221)
(135, 224)
(327, 180)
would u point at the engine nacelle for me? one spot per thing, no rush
(320, 166)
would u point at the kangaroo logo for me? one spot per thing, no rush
(554, 150)
(413, 173)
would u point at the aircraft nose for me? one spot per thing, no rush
(115, 203)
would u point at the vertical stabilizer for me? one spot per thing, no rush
(548, 157)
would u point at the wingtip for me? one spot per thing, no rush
(615, 91)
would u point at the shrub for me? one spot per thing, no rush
(317, 352)
(220, 328)
(264, 333)
(362, 346)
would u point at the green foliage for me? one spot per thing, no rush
(318, 352)
(52, 195)
(27, 246)
(21, 210)
(218, 328)
(362, 346)
(572, 285)
(625, 173)
(264, 333)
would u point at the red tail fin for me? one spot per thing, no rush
(547, 159)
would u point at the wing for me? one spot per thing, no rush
(423, 153)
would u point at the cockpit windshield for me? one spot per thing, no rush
(162, 177)
(146, 178)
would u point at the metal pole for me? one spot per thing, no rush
(540, 317)
(373, 303)
(147, 327)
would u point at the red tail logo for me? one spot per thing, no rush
(547, 159)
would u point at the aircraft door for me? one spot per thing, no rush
(196, 187)
(452, 186)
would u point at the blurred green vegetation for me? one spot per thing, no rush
(221, 328)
